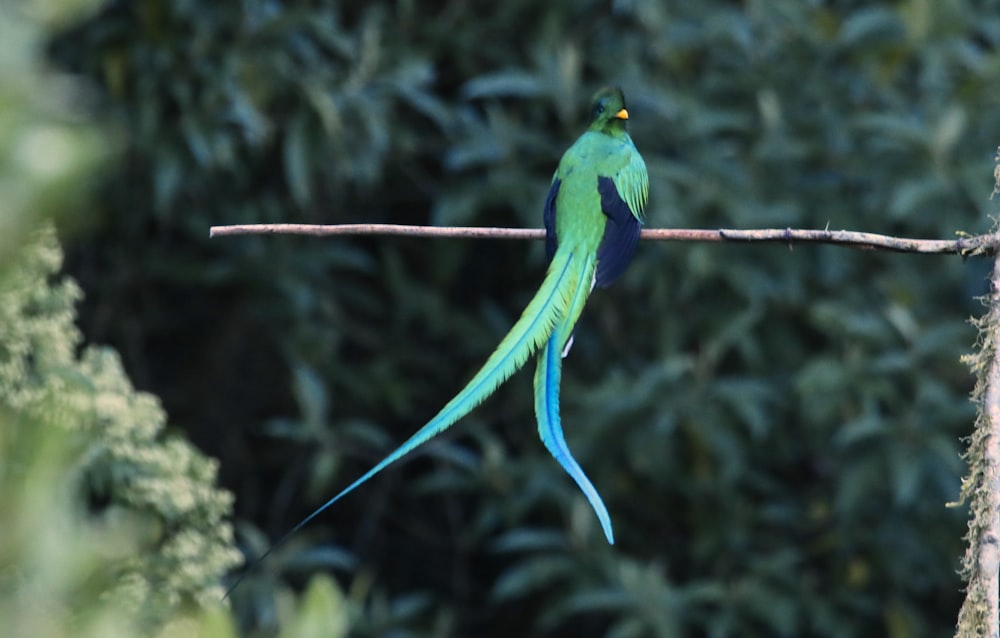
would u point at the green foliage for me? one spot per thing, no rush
(775, 431)
(111, 526)
(130, 481)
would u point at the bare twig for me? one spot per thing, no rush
(962, 245)
(377, 229)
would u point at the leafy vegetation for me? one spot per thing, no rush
(776, 432)
(113, 526)
(102, 505)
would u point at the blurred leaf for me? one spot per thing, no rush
(870, 26)
(531, 576)
(508, 83)
(322, 613)
(296, 160)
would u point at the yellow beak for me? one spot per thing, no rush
(622, 114)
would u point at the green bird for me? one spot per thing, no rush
(593, 215)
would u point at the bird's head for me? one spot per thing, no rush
(608, 111)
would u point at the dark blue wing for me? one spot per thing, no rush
(549, 218)
(621, 234)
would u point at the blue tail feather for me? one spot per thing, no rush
(551, 432)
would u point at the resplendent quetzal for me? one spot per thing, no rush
(593, 215)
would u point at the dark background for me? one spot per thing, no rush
(775, 431)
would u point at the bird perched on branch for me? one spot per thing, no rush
(593, 215)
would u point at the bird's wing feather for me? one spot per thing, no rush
(621, 233)
(632, 183)
(623, 198)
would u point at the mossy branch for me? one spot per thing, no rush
(980, 613)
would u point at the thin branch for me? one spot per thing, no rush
(963, 245)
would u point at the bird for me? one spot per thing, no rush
(593, 216)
